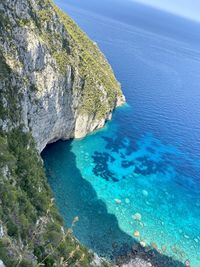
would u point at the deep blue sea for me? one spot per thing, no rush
(141, 172)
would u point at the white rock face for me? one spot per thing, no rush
(97, 261)
(2, 264)
(137, 263)
(50, 100)
(1, 231)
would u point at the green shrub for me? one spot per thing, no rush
(12, 229)
(26, 263)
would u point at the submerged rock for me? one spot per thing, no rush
(145, 193)
(127, 200)
(114, 244)
(143, 244)
(164, 248)
(154, 245)
(118, 201)
(136, 233)
(137, 216)
(187, 263)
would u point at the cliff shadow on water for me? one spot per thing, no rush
(97, 228)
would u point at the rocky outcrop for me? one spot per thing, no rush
(65, 86)
(54, 84)
(138, 263)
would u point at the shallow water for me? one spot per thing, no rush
(146, 160)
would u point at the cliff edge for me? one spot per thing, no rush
(64, 85)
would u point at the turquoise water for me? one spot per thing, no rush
(141, 172)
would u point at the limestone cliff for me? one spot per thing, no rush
(54, 84)
(64, 85)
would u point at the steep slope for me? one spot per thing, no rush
(54, 84)
(67, 87)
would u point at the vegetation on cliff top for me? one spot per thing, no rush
(85, 57)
